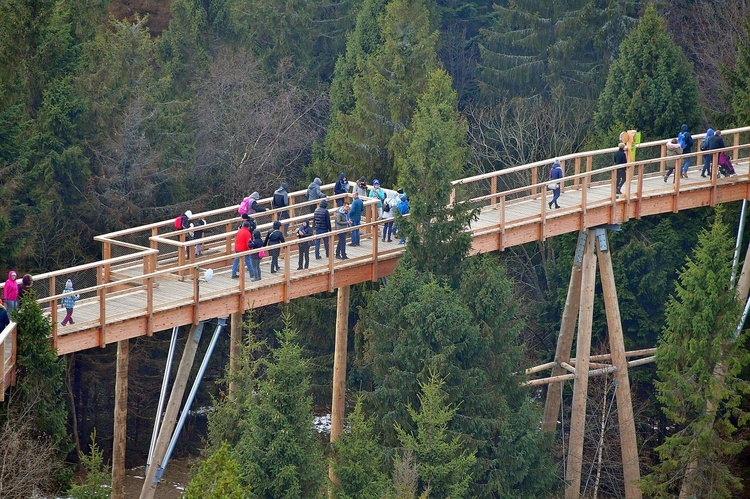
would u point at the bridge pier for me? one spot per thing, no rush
(120, 420)
(581, 298)
(235, 342)
(339, 368)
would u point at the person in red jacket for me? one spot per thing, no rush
(241, 243)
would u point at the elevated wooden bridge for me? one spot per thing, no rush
(149, 279)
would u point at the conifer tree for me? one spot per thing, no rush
(386, 86)
(358, 459)
(699, 361)
(738, 78)
(97, 484)
(443, 463)
(650, 86)
(268, 423)
(216, 478)
(436, 154)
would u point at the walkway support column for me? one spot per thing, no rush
(581, 383)
(120, 420)
(628, 445)
(173, 407)
(235, 341)
(339, 368)
(565, 339)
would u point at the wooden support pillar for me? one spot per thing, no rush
(564, 344)
(628, 445)
(339, 368)
(580, 385)
(173, 408)
(235, 341)
(120, 420)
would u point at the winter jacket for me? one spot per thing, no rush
(10, 291)
(313, 190)
(242, 240)
(255, 243)
(321, 219)
(342, 219)
(281, 197)
(274, 237)
(355, 210)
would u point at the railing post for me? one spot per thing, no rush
(106, 255)
(534, 177)
(577, 170)
(493, 190)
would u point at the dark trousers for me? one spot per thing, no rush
(621, 174)
(387, 230)
(274, 260)
(341, 246)
(317, 242)
(303, 261)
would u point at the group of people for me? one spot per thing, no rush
(13, 293)
(347, 214)
(683, 145)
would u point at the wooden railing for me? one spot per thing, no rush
(135, 260)
(8, 354)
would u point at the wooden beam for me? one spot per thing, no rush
(119, 443)
(339, 368)
(564, 344)
(628, 444)
(235, 341)
(580, 385)
(173, 408)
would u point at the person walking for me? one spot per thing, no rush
(274, 238)
(716, 142)
(342, 222)
(255, 243)
(69, 301)
(686, 143)
(322, 224)
(389, 209)
(403, 210)
(254, 206)
(303, 233)
(341, 187)
(241, 243)
(705, 146)
(355, 215)
(198, 235)
(620, 159)
(10, 292)
(377, 192)
(4, 317)
(555, 174)
(673, 150)
(314, 193)
(281, 200)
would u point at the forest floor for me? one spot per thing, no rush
(172, 486)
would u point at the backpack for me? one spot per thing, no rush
(681, 140)
(704, 143)
(178, 222)
(244, 206)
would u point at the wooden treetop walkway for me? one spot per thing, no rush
(149, 279)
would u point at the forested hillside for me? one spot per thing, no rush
(116, 114)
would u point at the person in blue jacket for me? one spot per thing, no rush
(341, 187)
(355, 215)
(555, 173)
(403, 209)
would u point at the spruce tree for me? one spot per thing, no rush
(386, 86)
(650, 86)
(443, 463)
(698, 362)
(436, 155)
(217, 478)
(358, 459)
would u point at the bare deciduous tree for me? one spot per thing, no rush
(252, 133)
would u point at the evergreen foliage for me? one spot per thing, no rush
(40, 375)
(217, 478)
(699, 361)
(386, 86)
(436, 154)
(534, 47)
(738, 79)
(268, 424)
(468, 336)
(97, 482)
(650, 86)
(444, 466)
(358, 459)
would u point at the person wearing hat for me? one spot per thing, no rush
(377, 192)
(555, 174)
(620, 159)
(361, 187)
(273, 238)
(10, 292)
(241, 243)
(322, 224)
(69, 301)
(281, 200)
(314, 192)
(341, 187)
